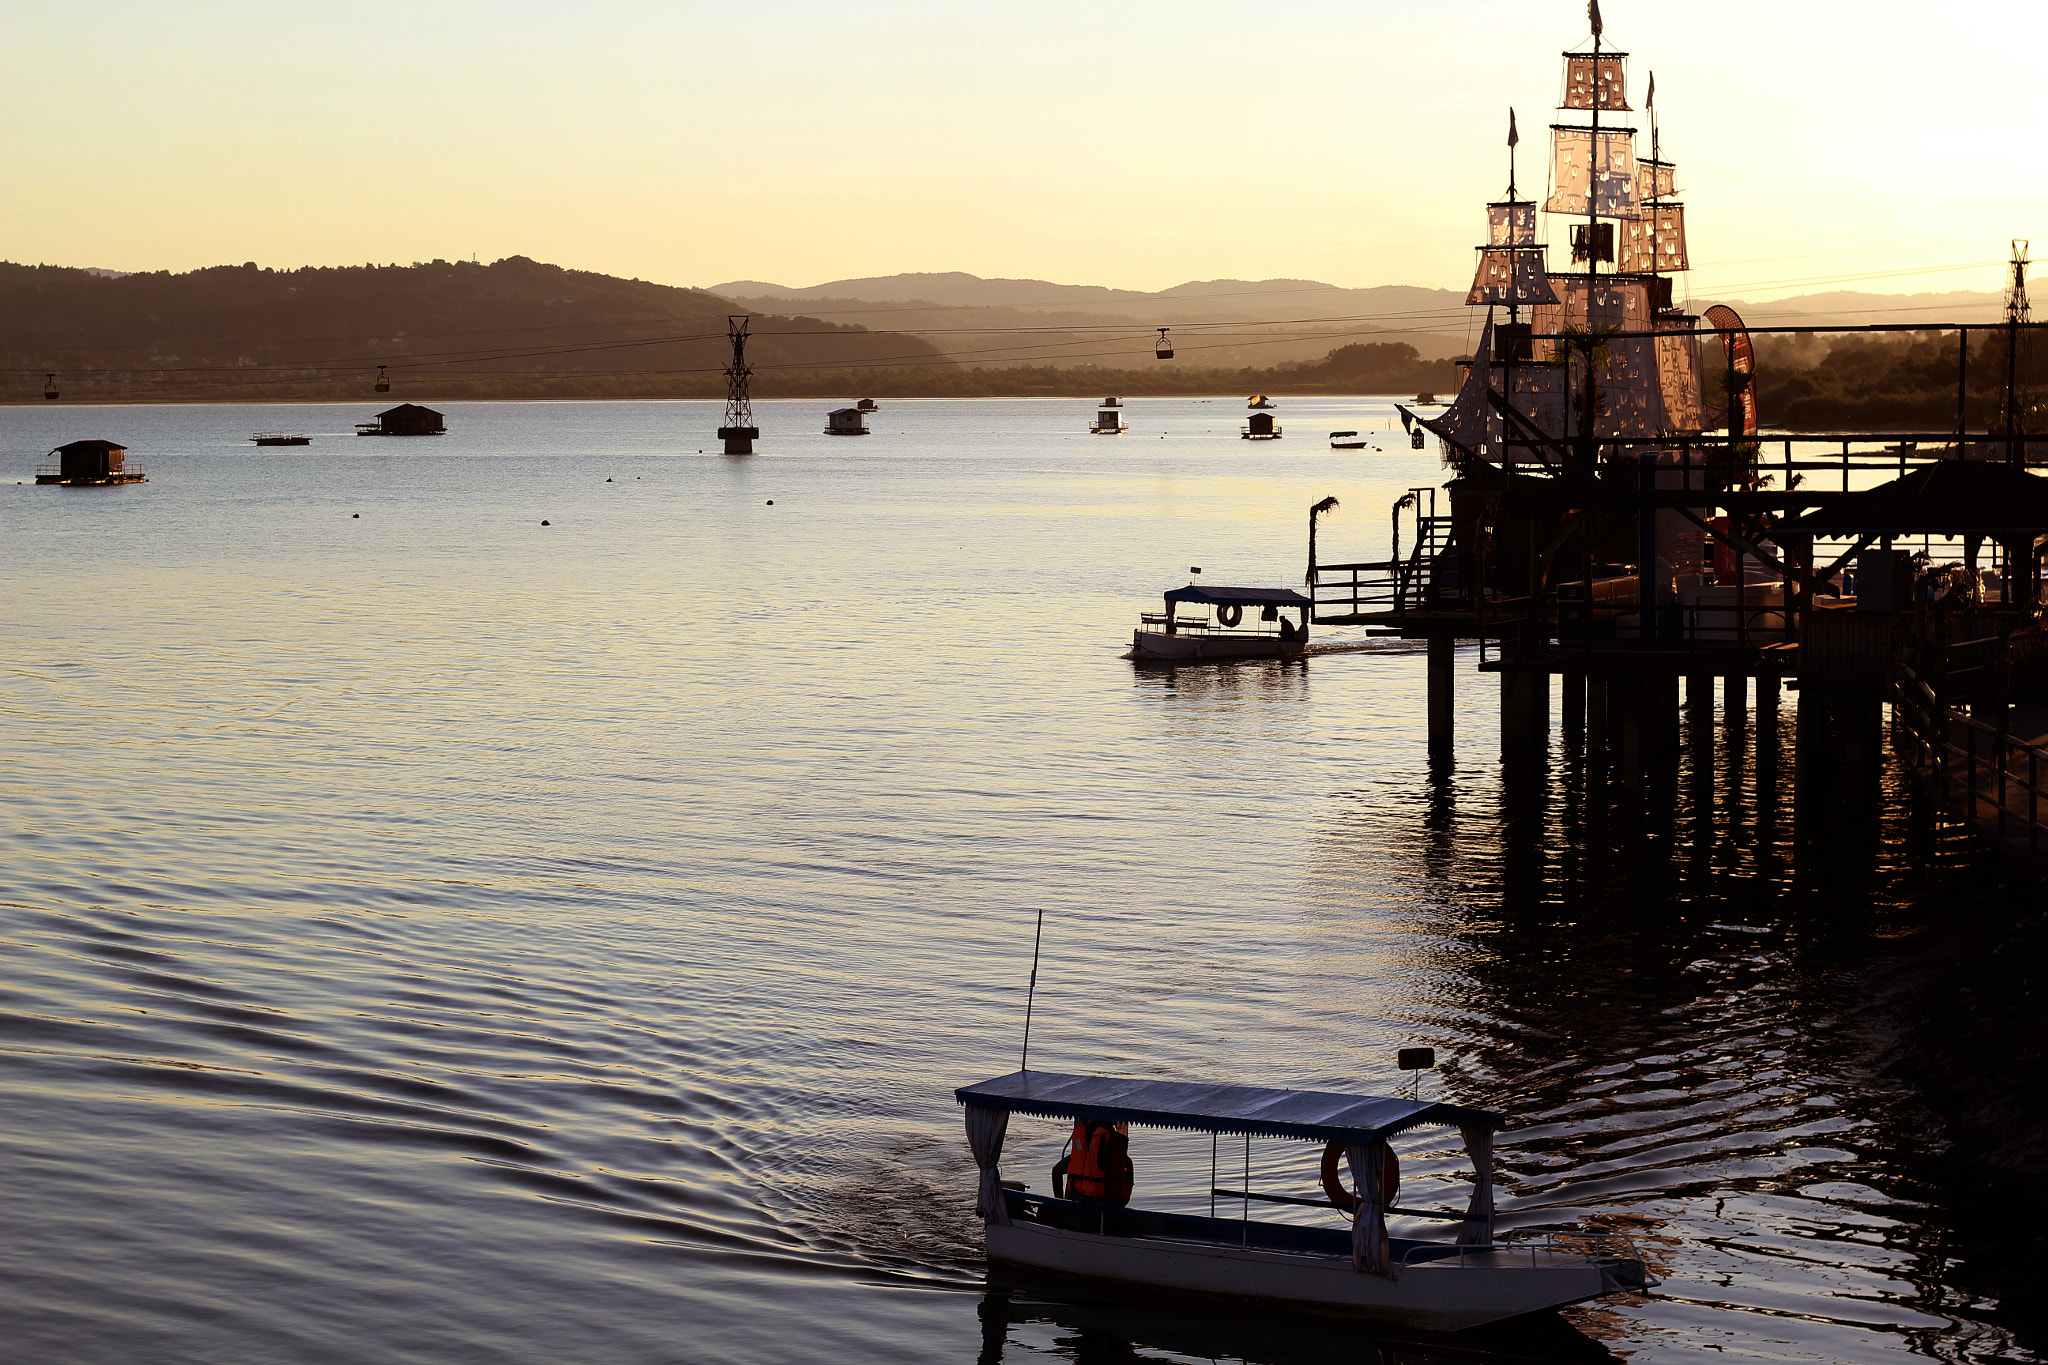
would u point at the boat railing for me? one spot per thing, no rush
(1201, 625)
(1606, 1246)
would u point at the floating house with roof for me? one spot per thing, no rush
(407, 419)
(82, 464)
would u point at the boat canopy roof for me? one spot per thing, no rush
(1320, 1115)
(1240, 597)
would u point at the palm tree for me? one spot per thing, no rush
(1315, 514)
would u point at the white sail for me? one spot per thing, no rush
(1596, 82)
(1655, 180)
(1511, 223)
(1472, 426)
(1601, 167)
(1655, 242)
(1678, 374)
(1511, 275)
(1630, 386)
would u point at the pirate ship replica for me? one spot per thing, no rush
(1615, 379)
(1615, 522)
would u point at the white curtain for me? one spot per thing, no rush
(985, 1130)
(1479, 1146)
(1370, 1251)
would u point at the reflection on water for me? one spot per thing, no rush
(1027, 1316)
(431, 936)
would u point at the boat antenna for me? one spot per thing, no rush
(1024, 1062)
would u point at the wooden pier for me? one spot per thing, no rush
(1886, 572)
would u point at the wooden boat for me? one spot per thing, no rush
(1219, 633)
(279, 438)
(1358, 1271)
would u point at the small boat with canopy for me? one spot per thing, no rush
(1219, 630)
(1087, 1226)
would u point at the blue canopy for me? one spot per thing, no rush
(1240, 597)
(1320, 1115)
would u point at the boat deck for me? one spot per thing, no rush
(1071, 1216)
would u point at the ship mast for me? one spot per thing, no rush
(1590, 451)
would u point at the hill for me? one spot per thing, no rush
(1225, 323)
(515, 327)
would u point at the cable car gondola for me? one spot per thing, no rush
(383, 381)
(50, 386)
(1164, 348)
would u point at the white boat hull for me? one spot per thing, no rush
(1446, 1295)
(1159, 645)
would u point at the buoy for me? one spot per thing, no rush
(607, 480)
(357, 515)
(547, 523)
(771, 502)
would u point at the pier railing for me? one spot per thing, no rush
(1978, 771)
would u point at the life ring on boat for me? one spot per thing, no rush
(1333, 1179)
(1229, 616)
(1333, 1182)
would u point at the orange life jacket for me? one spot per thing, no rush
(1099, 1166)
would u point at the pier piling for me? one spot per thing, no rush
(1442, 697)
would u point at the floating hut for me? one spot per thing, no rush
(845, 422)
(1109, 418)
(868, 405)
(407, 419)
(1260, 427)
(280, 438)
(82, 464)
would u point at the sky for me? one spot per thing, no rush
(1874, 146)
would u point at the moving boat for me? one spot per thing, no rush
(1219, 634)
(279, 438)
(1359, 1270)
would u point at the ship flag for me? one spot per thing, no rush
(1650, 95)
(1593, 13)
(1514, 138)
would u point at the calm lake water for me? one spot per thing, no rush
(436, 936)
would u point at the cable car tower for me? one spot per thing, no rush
(739, 431)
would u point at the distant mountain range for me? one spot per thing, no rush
(518, 327)
(1255, 322)
(1245, 322)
